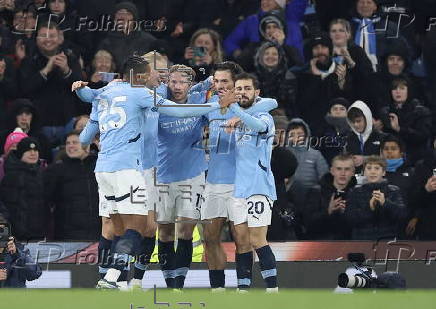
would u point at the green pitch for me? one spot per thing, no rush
(296, 299)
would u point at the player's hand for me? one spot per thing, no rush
(3, 274)
(430, 186)
(232, 123)
(228, 98)
(11, 248)
(78, 85)
(411, 226)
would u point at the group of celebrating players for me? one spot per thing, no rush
(151, 126)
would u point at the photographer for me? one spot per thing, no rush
(16, 264)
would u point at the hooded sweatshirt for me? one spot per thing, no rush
(368, 142)
(311, 166)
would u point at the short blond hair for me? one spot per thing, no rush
(103, 53)
(183, 69)
(152, 56)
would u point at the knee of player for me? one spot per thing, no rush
(166, 232)
(257, 242)
(150, 231)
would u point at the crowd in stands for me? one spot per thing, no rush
(355, 81)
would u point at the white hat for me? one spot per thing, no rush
(281, 3)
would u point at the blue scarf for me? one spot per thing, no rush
(366, 38)
(394, 164)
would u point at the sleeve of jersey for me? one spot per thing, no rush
(262, 105)
(202, 86)
(179, 110)
(251, 122)
(89, 132)
(94, 111)
(87, 94)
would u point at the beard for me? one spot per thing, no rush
(247, 103)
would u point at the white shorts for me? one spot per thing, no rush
(151, 188)
(180, 199)
(104, 206)
(218, 198)
(124, 190)
(255, 210)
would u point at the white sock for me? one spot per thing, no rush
(135, 282)
(112, 275)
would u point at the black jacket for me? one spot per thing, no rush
(8, 90)
(423, 202)
(320, 225)
(371, 146)
(52, 96)
(384, 221)
(72, 189)
(23, 195)
(415, 127)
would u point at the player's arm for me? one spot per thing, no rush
(251, 122)
(263, 105)
(202, 86)
(181, 110)
(89, 132)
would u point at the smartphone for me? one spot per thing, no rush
(107, 77)
(199, 51)
(434, 172)
(340, 194)
(339, 59)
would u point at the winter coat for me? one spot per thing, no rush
(320, 225)
(8, 90)
(423, 202)
(20, 268)
(52, 96)
(22, 192)
(415, 127)
(384, 222)
(311, 167)
(334, 137)
(70, 186)
(247, 30)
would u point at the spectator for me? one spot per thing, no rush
(326, 202)
(10, 144)
(363, 140)
(423, 198)
(22, 191)
(19, 264)
(334, 137)
(408, 119)
(103, 62)
(359, 67)
(247, 30)
(24, 115)
(376, 209)
(311, 164)
(372, 30)
(23, 34)
(127, 39)
(71, 188)
(321, 81)
(8, 87)
(399, 172)
(283, 167)
(275, 82)
(46, 78)
(203, 52)
(272, 28)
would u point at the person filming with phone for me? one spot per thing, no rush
(16, 264)
(326, 202)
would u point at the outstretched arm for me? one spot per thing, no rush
(251, 122)
(181, 110)
(263, 105)
(89, 132)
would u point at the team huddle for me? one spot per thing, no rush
(151, 138)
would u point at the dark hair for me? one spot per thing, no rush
(393, 139)
(49, 24)
(354, 113)
(230, 66)
(136, 64)
(74, 132)
(296, 125)
(400, 81)
(246, 76)
(375, 160)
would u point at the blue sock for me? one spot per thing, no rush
(167, 259)
(267, 263)
(128, 245)
(217, 278)
(183, 261)
(244, 266)
(104, 247)
(144, 257)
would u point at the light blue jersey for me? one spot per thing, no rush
(180, 154)
(222, 163)
(254, 140)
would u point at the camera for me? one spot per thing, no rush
(199, 51)
(363, 276)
